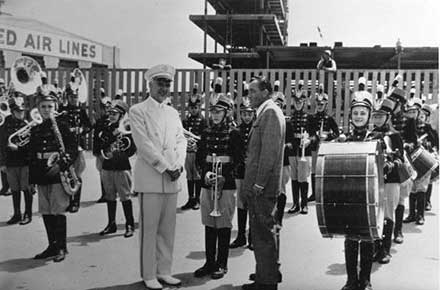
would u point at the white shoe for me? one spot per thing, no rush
(153, 284)
(169, 280)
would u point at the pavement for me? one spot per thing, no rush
(112, 262)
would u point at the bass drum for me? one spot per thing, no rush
(349, 184)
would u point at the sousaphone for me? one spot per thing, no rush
(26, 75)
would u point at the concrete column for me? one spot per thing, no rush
(51, 61)
(10, 56)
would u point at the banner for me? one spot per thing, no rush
(36, 42)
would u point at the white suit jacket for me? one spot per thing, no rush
(158, 134)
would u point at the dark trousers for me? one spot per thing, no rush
(351, 249)
(265, 251)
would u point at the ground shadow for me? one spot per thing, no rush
(133, 286)
(200, 255)
(88, 203)
(21, 264)
(188, 279)
(86, 238)
(430, 213)
(411, 228)
(227, 287)
(336, 269)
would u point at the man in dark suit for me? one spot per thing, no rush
(262, 181)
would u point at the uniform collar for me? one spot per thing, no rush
(153, 104)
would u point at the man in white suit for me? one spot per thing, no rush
(158, 134)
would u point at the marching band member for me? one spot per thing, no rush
(119, 95)
(407, 129)
(217, 93)
(15, 162)
(117, 147)
(380, 90)
(362, 92)
(52, 198)
(304, 134)
(247, 115)
(220, 139)
(420, 186)
(326, 62)
(360, 112)
(79, 124)
(392, 146)
(430, 142)
(161, 149)
(194, 123)
(98, 127)
(4, 179)
(328, 130)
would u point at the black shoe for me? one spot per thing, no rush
(409, 219)
(428, 206)
(240, 241)
(60, 256)
(5, 191)
(205, 270)
(188, 205)
(73, 208)
(420, 220)
(398, 239)
(129, 231)
(256, 286)
(304, 210)
(250, 247)
(293, 209)
(219, 273)
(365, 285)
(351, 285)
(109, 229)
(50, 252)
(196, 206)
(312, 198)
(27, 218)
(101, 200)
(385, 258)
(16, 218)
(280, 277)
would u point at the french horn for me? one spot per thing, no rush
(26, 75)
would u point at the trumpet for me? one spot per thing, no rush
(216, 188)
(22, 136)
(122, 142)
(190, 136)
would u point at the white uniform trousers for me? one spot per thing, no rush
(157, 228)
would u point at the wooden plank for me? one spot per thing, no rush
(239, 99)
(97, 82)
(144, 86)
(105, 80)
(183, 95)
(426, 82)
(129, 88)
(418, 73)
(347, 99)
(121, 74)
(435, 88)
(407, 81)
(383, 80)
(338, 96)
(232, 84)
(313, 89)
(289, 93)
(374, 84)
(322, 77)
(355, 83)
(206, 75)
(330, 94)
(282, 83)
(113, 82)
(175, 89)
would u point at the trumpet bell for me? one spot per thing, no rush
(124, 125)
(35, 116)
(26, 75)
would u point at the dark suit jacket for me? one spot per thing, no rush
(264, 156)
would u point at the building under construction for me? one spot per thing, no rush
(253, 34)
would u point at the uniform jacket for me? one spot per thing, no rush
(223, 140)
(120, 160)
(302, 120)
(99, 126)
(328, 125)
(428, 135)
(158, 135)
(43, 140)
(264, 156)
(79, 122)
(406, 127)
(9, 157)
(241, 146)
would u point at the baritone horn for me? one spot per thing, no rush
(79, 84)
(122, 142)
(216, 188)
(22, 137)
(26, 75)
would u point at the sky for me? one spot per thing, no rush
(149, 32)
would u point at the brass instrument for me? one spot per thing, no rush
(122, 142)
(22, 136)
(26, 75)
(304, 135)
(79, 85)
(69, 179)
(4, 109)
(216, 188)
(191, 138)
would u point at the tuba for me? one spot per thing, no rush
(79, 84)
(122, 142)
(26, 75)
(22, 136)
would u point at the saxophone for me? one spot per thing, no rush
(69, 180)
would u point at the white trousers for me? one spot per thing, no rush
(157, 228)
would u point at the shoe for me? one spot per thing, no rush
(129, 231)
(153, 284)
(196, 206)
(293, 209)
(428, 206)
(5, 191)
(27, 218)
(366, 285)
(16, 218)
(74, 208)
(109, 229)
(205, 270)
(240, 241)
(385, 258)
(351, 285)
(169, 280)
(50, 252)
(60, 256)
(257, 286)
(101, 200)
(311, 198)
(219, 273)
(398, 239)
(420, 220)
(304, 210)
(188, 205)
(409, 219)
(250, 247)
(280, 277)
